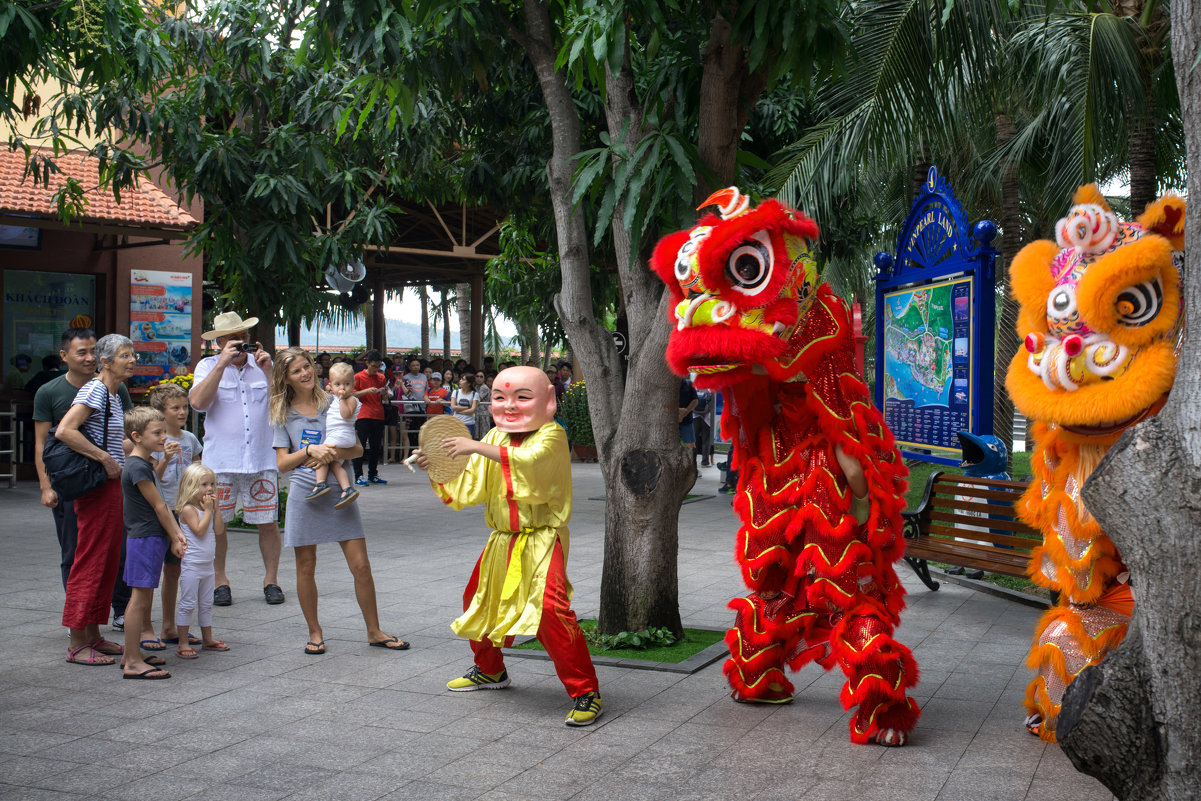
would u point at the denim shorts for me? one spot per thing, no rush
(144, 560)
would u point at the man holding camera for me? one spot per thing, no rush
(233, 389)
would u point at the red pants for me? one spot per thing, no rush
(97, 553)
(558, 632)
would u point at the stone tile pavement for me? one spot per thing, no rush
(265, 721)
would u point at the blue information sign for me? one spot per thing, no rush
(935, 327)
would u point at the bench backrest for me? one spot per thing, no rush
(976, 509)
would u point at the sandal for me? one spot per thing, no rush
(93, 658)
(347, 497)
(153, 645)
(218, 645)
(145, 674)
(392, 644)
(186, 653)
(153, 661)
(100, 644)
(192, 639)
(314, 648)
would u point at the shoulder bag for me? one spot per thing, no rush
(73, 475)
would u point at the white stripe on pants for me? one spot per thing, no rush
(196, 585)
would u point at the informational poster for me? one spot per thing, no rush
(160, 325)
(38, 307)
(928, 369)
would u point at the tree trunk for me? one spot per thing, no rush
(423, 296)
(265, 330)
(463, 306)
(1140, 141)
(1010, 243)
(637, 442)
(727, 95)
(294, 333)
(1144, 494)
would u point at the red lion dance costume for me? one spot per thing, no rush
(751, 320)
(1100, 309)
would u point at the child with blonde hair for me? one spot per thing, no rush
(196, 504)
(339, 433)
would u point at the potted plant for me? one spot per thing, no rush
(577, 422)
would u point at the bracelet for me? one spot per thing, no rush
(306, 452)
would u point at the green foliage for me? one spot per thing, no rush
(575, 415)
(632, 640)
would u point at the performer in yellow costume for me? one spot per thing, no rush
(521, 472)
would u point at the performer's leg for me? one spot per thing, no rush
(879, 670)
(488, 658)
(560, 634)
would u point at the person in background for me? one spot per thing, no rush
(436, 397)
(151, 530)
(370, 385)
(322, 365)
(96, 412)
(232, 388)
(52, 368)
(688, 402)
(181, 449)
(702, 425)
(19, 375)
(50, 405)
(415, 386)
(463, 403)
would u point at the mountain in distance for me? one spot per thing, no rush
(402, 335)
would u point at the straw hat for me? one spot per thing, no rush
(442, 468)
(228, 323)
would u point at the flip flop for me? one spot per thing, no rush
(192, 639)
(100, 643)
(392, 644)
(186, 653)
(91, 660)
(314, 648)
(156, 661)
(154, 645)
(145, 674)
(219, 645)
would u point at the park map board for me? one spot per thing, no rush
(927, 342)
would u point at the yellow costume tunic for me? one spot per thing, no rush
(527, 504)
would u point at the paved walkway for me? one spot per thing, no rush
(265, 721)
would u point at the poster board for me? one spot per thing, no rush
(936, 327)
(160, 325)
(38, 307)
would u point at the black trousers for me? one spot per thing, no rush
(371, 434)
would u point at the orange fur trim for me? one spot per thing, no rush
(1145, 259)
(1090, 193)
(1039, 701)
(1031, 282)
(1149, 376)
(1166, 218)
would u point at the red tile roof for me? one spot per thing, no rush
(144, 206)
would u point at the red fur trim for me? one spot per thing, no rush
(1166, 218)
(663, 262)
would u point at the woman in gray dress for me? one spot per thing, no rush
(298, 406)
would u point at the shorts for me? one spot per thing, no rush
(144, 560)
(687, 432)
(256, 493)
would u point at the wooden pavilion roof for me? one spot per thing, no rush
(436, 244)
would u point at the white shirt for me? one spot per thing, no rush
(237, 427)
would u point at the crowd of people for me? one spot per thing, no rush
(158, 520)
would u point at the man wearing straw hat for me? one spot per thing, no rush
(232, 388)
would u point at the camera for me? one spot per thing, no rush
(247, 347)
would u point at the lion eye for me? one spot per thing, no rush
(750, 264)
(1139, 304)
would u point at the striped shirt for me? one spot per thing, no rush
(92, 395)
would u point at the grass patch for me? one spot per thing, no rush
(693, 642)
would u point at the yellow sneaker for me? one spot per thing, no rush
(586, 710)
(476, 679)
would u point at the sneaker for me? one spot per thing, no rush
(347, 497)
(476, 679)
(362, 482)
(586, 710)
(318, 490)
(222, 596)
(376, 480)
(119, 623)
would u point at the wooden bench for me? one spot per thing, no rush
(970, 523)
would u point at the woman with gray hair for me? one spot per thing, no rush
(97, 412)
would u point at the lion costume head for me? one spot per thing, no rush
(1100, 309)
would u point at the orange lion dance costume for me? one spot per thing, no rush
(1099, 311)
(752, 320)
